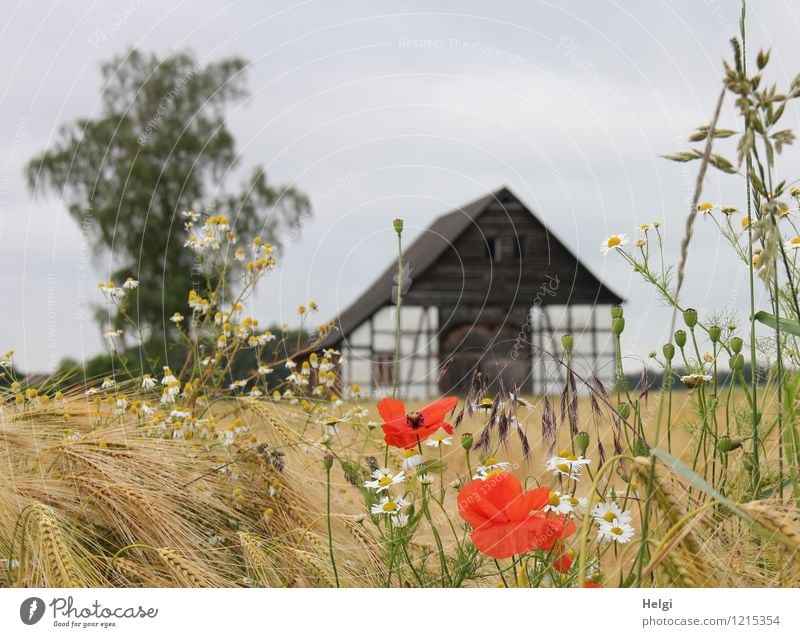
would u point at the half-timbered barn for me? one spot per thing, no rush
(487, 288)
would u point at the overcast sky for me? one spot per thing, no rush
(385, 109)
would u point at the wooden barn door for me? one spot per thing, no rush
(490, 350)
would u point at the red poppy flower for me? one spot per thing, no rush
(408, 430)
(563, 563)
(508, 521)
(592, 585)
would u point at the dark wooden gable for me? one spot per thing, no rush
(491, 260)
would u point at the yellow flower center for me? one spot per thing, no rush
(573, 501)
(610, 516)
(554, 499)
(490, 461)
(796, 241)
(410, 453)
(563, 467)
(616, 530)
(613, 241)
(494, 472)
(384, 481)
(390, 506)
(705, 206)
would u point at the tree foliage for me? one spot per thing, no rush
(160, 145)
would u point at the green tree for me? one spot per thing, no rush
(160, 146)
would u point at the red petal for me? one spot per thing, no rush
(391, 409)
(530, 501)
(473, 505)
(504, 540)
(435, 412)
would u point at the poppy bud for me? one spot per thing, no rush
(690, 317)
(398, 226)
(669, 351)
(567, 342)
(616, 311)
(466, 441)
(327, 461)
(582, 441)
(624, 410)
(680, 338)
(736, 344)
(618, 325)
(727, 444)
(639, 448)
(737, 362)
(714, 333)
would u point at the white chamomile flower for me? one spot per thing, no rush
(389, 506)
(412, 459)
(610, 512)
(793, 244)
(578, 504)
(614, 242)
(130, 284)
(490, 465)
(176, 318)
(566, 464)
(618, 531)
(383, 480)
(108, 383)
(558, 503)
(439, 438)
(695, 380)
(148, 382)
(400, 520)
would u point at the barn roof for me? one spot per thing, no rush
(423, 253)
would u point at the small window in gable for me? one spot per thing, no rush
(519, 248)
(493, 252)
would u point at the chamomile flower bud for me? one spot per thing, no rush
(567, 342)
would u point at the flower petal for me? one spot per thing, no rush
(391, 409)
(435, 412)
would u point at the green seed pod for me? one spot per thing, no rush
(726, 444)
(714, 332)
(466, 441)
(690, 317)
(567, 341)
(616, 311)
(640, 448)
(669, 351)
(582, 441)
(680, 338)
(624, 410)
(736, 344)
(398, 225)
(618, 325)
(737, 362)
(327, 461)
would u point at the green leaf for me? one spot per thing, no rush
(788, 326)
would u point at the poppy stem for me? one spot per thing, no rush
(500, 572)
(398, 226)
